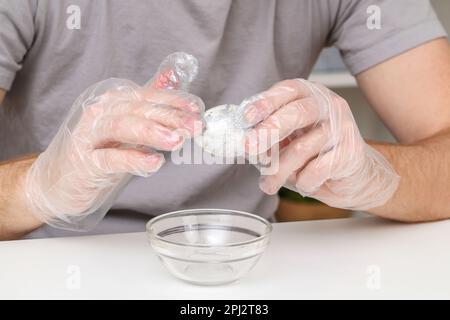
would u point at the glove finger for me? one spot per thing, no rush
(175, 98)
(172, 118)
(134, 130)
(257, 108)
(294, 157)
(293, 116)
(132, 161)
(176, 72)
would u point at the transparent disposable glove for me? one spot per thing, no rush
(321, 153)
(110, 134)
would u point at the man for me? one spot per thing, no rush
(51, 51)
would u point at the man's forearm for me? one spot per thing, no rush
(424, 169)
(15, 219)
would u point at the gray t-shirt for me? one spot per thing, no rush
(243, 47)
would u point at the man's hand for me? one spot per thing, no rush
(322, 154)
(411, 94)
(112, 130)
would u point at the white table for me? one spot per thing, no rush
(351, 258)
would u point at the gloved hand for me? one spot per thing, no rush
(111, 132)
(321, 152)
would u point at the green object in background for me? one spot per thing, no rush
(294, 196)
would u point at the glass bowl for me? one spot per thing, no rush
(209, 246)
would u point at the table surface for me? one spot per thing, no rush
(362, 258)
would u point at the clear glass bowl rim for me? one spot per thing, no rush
(213, 211)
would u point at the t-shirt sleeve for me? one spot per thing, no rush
(16, 37)
(368, 32)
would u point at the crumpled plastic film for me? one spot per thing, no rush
(223, 136)
(112, 132)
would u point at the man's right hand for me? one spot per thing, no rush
(113, 129)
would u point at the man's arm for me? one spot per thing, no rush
(15, 220)
(411, 94)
